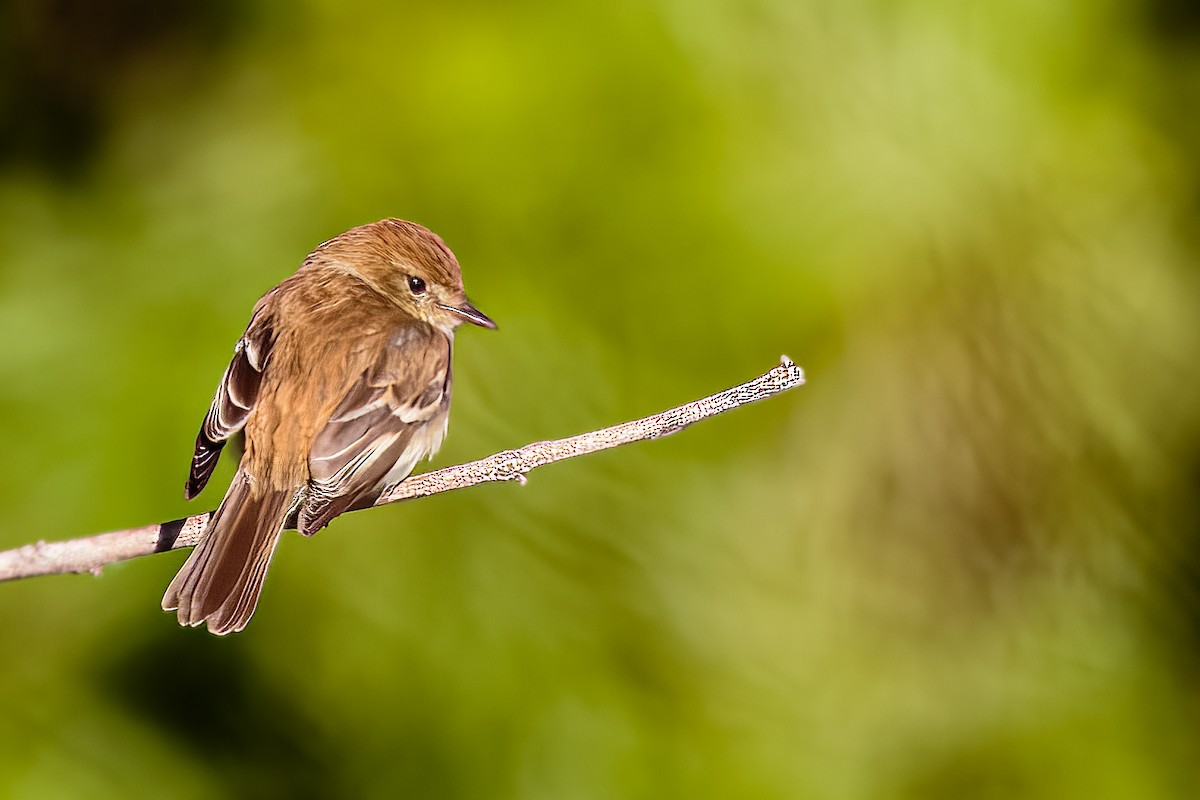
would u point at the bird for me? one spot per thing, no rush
(339, 386)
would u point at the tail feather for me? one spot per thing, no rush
(222, 578)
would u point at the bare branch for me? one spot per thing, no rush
(90, 553)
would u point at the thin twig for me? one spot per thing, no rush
(90, 553)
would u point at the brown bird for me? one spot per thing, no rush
(340, 385)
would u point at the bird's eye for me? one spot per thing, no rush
(416, 285)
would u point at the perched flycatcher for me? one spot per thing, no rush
(340, 385)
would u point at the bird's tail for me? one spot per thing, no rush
(221, 580)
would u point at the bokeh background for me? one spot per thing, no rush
(963, 561)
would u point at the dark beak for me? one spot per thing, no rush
(471, 314)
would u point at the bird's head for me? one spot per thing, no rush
(411, 266)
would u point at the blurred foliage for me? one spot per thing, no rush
(963, 561)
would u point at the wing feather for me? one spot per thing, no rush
(234, 400)
(393, 415)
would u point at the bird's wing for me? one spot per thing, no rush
(234, 400)
(393, 415)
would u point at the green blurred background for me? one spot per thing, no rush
(964, 561)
